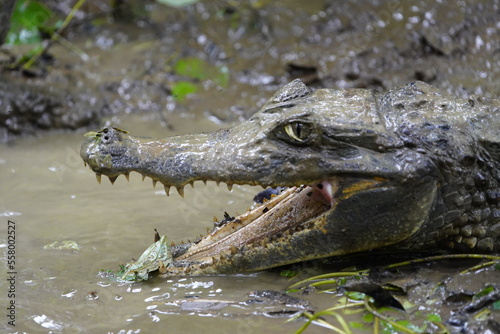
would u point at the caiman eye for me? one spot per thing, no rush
(298, 131)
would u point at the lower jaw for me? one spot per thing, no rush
(284, 213)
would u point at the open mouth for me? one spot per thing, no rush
(281, 215)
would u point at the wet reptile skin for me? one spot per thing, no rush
(412, 170)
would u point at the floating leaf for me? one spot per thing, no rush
(368, 317)
(357, 325)
(156, 254)
(355, 295)
(434, 318)
(181, 89)
(63, 245)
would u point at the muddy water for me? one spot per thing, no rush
(50, 196)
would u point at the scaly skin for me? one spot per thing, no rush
(412, 170)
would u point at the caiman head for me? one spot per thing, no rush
(351, 184)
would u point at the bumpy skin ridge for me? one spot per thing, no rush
(413, 170)
(462, 139)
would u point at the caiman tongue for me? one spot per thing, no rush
(283, 213)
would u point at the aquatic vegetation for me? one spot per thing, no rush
(30, 20)
(377, 315)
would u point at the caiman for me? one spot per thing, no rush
(409, 171)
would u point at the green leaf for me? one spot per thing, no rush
(27, 19)
(496, 305)
(177, 3)
(191, 67)
(288, 273)
(368, 317)
(434, 318)
(484, 292)
(181, 89)
(355, 295)
(357, 325)
(199, 69)
(411, 326)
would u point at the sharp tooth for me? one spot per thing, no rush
(204, 182)
(127, 176)
(112, 179)
(98, 177)
(143, 178)
(329, 191)
(217, 183)
(167, 190)
(229, 187)
(180, 190)
(215, 220)
(172, 244)
(192, 184)
(154, 183)
(84, 164)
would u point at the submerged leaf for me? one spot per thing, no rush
(63, 245)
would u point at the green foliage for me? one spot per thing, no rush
(387, 320)
(484, 292)
(29, 19)
(434, 318)
(197, 70)
(181, 89)
(288, 273)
